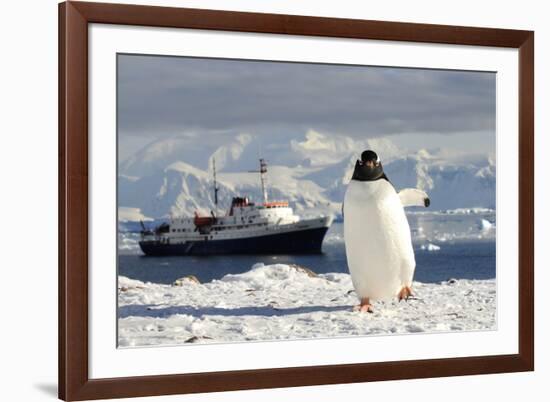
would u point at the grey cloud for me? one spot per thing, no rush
(170, 95)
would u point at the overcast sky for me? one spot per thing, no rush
(162, 97)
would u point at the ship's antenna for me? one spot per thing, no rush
(215, 184)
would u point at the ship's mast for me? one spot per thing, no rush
(215, 185)
(263, 178)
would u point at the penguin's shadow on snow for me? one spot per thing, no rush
(150, 310)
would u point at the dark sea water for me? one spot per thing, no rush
(460, 257)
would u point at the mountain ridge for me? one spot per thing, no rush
(312, 186)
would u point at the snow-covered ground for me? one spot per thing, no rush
(274, 302)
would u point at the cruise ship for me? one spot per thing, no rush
(268, 227)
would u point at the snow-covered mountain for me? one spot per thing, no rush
(450, 183)
(312, 174)
(240, 152)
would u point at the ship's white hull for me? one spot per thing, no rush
(305, 236)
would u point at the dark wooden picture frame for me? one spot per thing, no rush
(74, 381)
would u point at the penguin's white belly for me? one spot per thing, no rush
(378, 240)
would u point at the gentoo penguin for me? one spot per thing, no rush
(377, 235)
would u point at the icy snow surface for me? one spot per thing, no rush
(275, 302)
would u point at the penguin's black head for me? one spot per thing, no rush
(370, 156)
(369, 168)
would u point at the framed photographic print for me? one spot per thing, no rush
(259, 200)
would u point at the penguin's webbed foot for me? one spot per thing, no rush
(404, 293)
(365, 306)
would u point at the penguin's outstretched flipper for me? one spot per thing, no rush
(413, 197)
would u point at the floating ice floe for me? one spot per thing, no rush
(430, 247)
(128, 243)
(484, 224)
(468, 211)
(279, 301)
